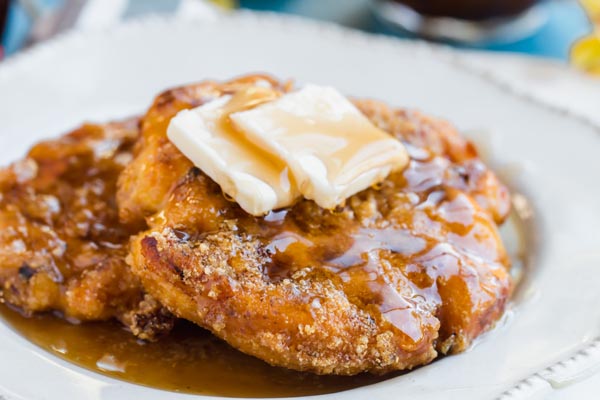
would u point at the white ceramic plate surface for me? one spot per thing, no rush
(548, 338)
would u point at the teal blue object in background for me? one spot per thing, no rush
(16, 29)
(19, 23)
(566, 22)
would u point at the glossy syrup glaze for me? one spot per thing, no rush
(189, 360)
(331, 148)
(258, 162)
(437, 236)
(404, 271)
(417, 259)
(320, 290)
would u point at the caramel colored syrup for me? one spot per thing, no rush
(263, 162)
(260, 163)
(348, 147)
(189, 360)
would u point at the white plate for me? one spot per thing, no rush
(549, 156)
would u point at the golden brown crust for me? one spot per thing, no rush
(139, 198)
(304, 322)
(399, 273)
(62, 247)
(440, 138)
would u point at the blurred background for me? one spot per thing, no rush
(545, 28)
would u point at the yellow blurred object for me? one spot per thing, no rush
(592, 7)
(585, 53)
(231, 4)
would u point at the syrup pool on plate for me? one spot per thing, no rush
(191, 360)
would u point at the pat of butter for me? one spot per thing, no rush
(256, 180)
(332, 149)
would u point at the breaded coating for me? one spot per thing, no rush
(62, 247)
(143, 191)
(403, 271)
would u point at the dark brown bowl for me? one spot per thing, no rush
(469, 9)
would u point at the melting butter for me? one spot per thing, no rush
(332, 149)
(265, 150)
(256, 180)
